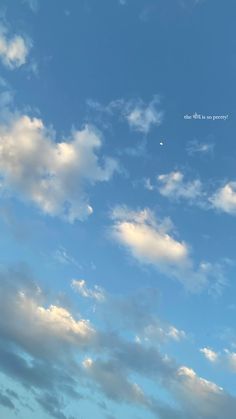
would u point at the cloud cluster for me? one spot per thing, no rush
(152, 242)
(52, 174)
(173, 186)
(14, 50)
(51, 353)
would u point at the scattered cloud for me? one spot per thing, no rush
(172, 185)
(142, 117)
(155, 332)
(209, 354)
(80, 286)
(152, 242)
(139, 115)
(225, 359)
(63, 257)
(148, 184)
(14, 50)
(52, 174)
(50, 352)
(224, 198)
(195, 146)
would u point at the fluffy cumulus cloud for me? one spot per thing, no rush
(52, 174)
(53, 353)
(224, 198)
(152, 242)
(172, 185)
(14, 49)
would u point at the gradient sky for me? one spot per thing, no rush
(117, 210)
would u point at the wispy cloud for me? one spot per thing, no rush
(196, 147)
(141, 116)
(63, 257)
(79, 285)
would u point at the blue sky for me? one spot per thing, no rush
(117, 210)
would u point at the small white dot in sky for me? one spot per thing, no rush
(161, 143)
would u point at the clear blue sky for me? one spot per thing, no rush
(117, 209)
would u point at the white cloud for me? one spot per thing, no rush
(142, 117)
(152, 242)
(225, 198)
(52, 174)
(175, 333)
(209, 354)
(147, 240)
(13, 49)
(38, 328)
(226, 359)
(155, 332)
(57, 320)
(172, 185)
(202, 398)
(195, 146)
(80, 286)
